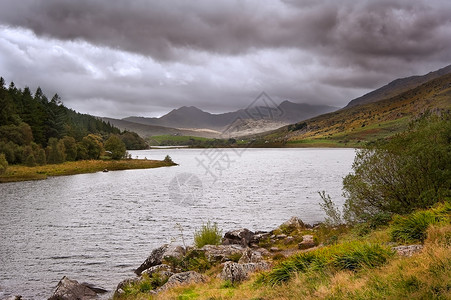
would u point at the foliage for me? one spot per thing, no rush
(168, 159)
(209, 234)
(333, 214)
(116, 146)
(194, 260)
(347, 256)
(146, 284)
(3, 163)
(408, 172)
(413, 228)
(133, 141)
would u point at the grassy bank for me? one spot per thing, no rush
(23, 173)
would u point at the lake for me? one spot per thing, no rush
(99, 227)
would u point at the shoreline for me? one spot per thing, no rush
(16, 173)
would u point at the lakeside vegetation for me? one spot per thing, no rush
(23, 173)
(399, 193)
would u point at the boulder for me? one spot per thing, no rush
(182, 279)
(241, 237)
(157, 256)
(294, 223)
(221, 253)
(408, 250)
(163, 269)
(250, 256)
(235, 272)
(68, 289)
(307, 242)
(120, 287)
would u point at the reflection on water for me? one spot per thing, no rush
(99, 227)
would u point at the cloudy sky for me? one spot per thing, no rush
(119, 58)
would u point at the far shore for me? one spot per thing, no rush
(23, 173)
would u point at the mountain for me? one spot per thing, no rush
(146, 131)
(261, 117)
(398, 86)
(366, 122)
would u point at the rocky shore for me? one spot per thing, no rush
(240, 253)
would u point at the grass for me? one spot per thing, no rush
(24, 173)
(208, 234)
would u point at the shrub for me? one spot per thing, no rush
(410, 171)
(3, 163)
(194, 260)
(168, 160)
(209, 234)
(413, 228)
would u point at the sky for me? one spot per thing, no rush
(120, 58)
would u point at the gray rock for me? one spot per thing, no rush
(157, 256)
(281, 236)
(307, 242)
(250, 256)
(294, 223)
(182, 279)
(408, 250)
(120, 287)
(157, 269)
(241, 237)
(235, 272)
(68, 289)
(274, 249)
(221, 253)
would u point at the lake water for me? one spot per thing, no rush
(99, 227)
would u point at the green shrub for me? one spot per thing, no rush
(168, 159)
(350, 256)
(3, 163)
(412, 228)
(194, 260)
(209, 234)
(408, 172)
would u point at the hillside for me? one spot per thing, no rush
(366, 122)
(398, 86)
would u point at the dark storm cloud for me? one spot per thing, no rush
(149, 56)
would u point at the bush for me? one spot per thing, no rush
(168, 160)
(3, 163)
(410, 171)
(413, 228)
(209, 234)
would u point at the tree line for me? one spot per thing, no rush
(35, 131)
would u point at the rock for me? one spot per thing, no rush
(157, 256)
(307, 242)
(163, 269)
(241, 237)
(221, 253)
(274, 249)
(96, 289)
(288, 240)
(281, 236)
(250, 256)
(182, 279)
(120, 287)
(17, 297)
(235, 272)
(68, 289)
(294, 223)
(408, 250)
(259, 236)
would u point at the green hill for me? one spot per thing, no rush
(353, 125)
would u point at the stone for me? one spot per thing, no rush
(294, 223)
(281, 236)
(241, 237)
(120, 287)
(250, 256)
(221, 253)
(274, 249)
(408, 250)
(259, 236)
(288, 240)
(182, 279)
(157, 256)
(163, 268)
(307, 242)
(68, 289)
(235, 272)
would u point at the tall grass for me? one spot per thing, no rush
(208, 234)
(348, 256)
(413, 228)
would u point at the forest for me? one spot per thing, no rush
(36, 130)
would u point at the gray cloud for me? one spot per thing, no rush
(120, 58)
